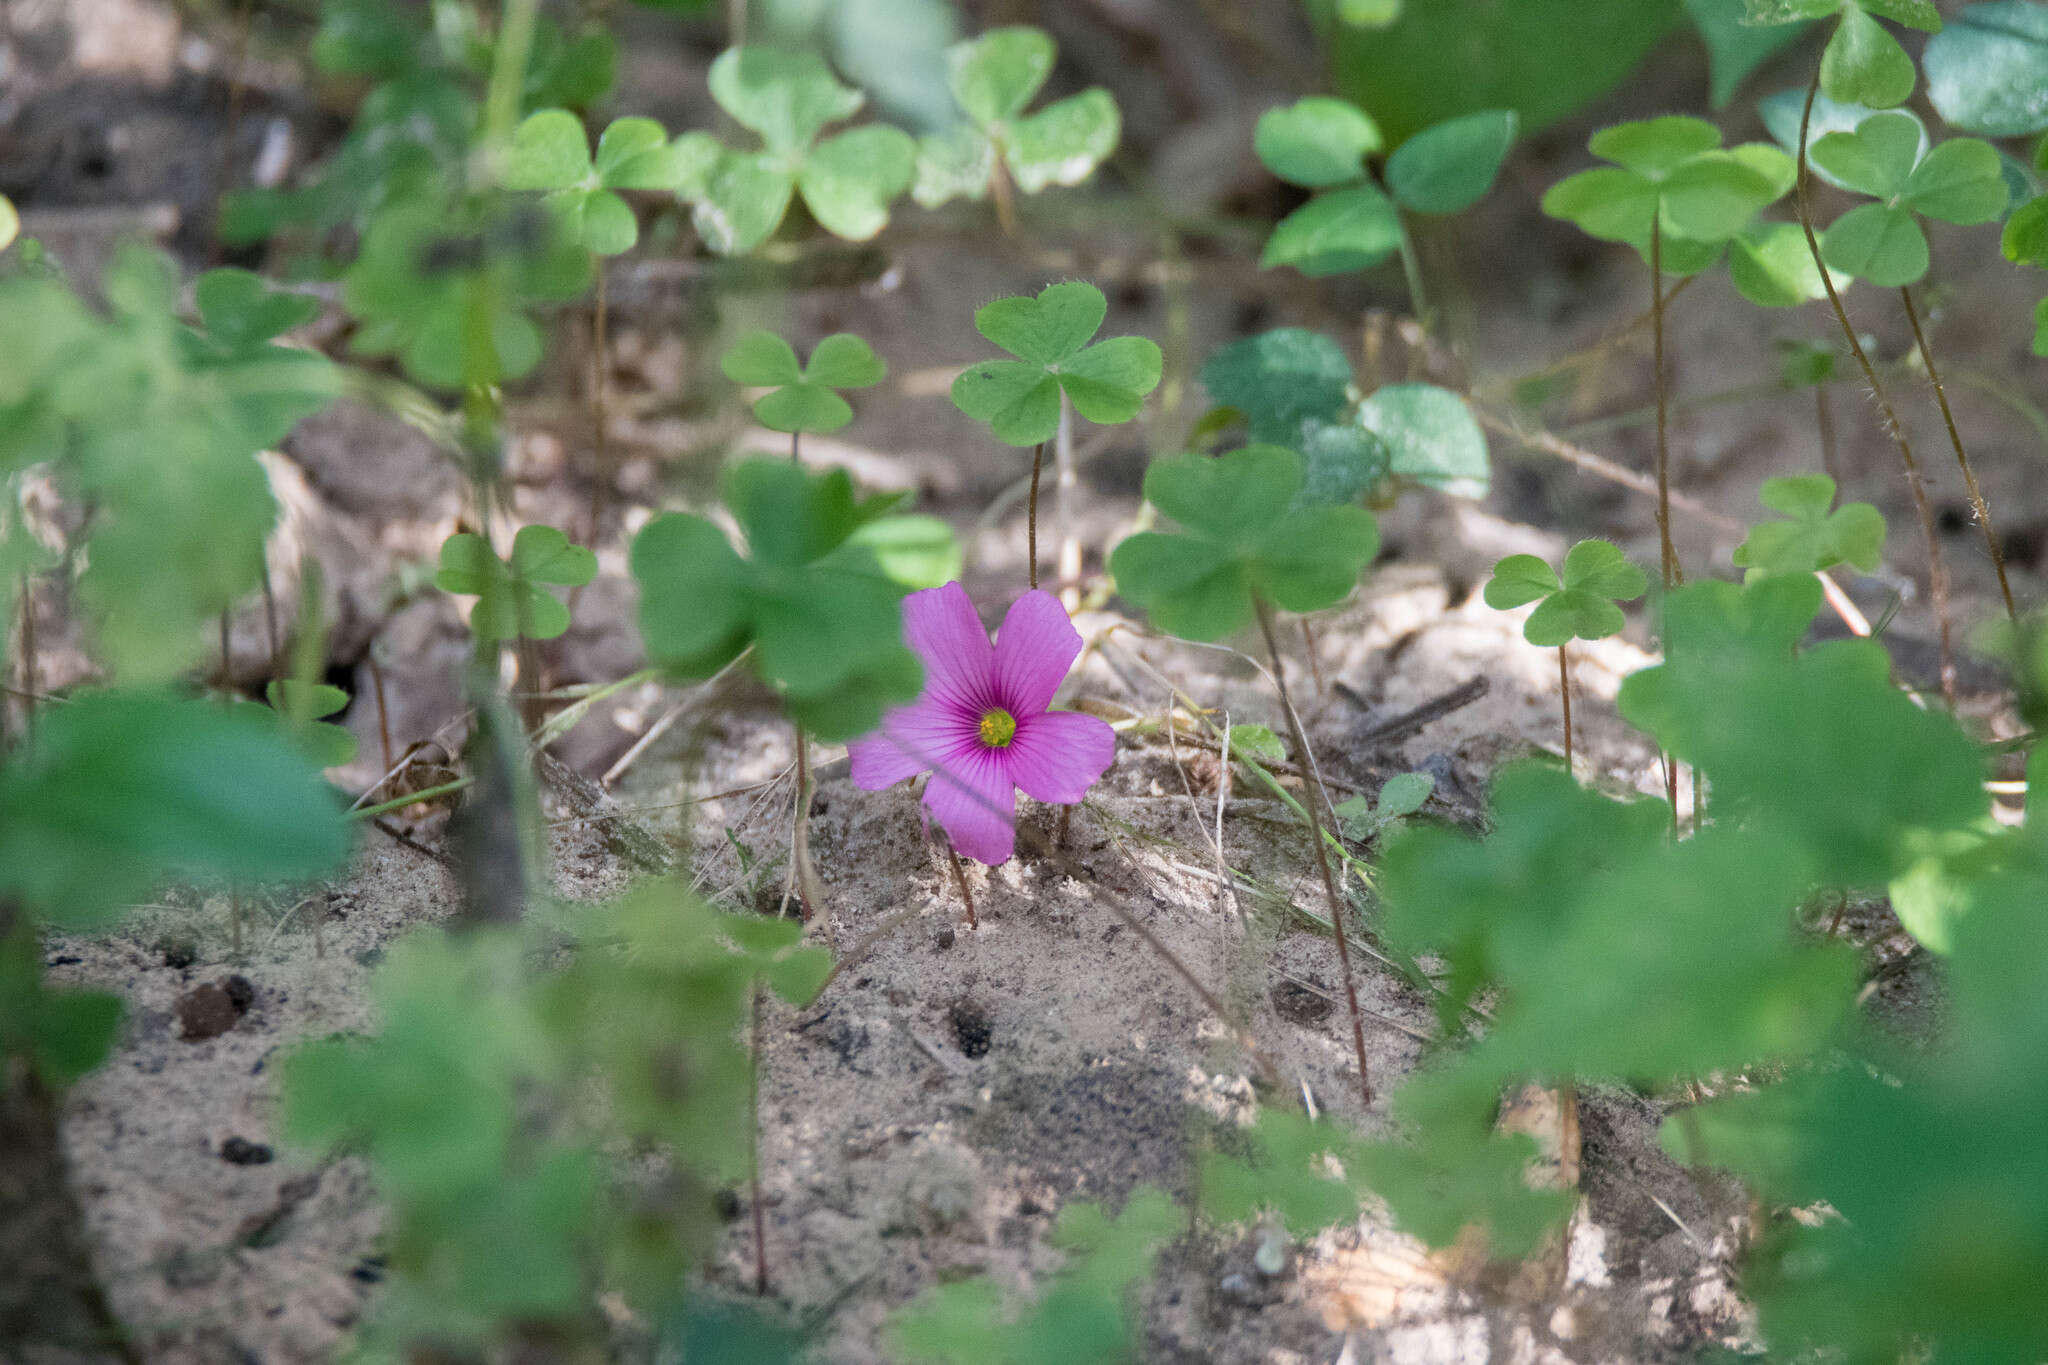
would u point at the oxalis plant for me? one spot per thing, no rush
(1580, 604)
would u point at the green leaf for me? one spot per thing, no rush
(761, 359)
(1020, 399)
(1598, 567)
(1519, 580)
(954, 163)
(241, 310)
(1876, 158)
(1289, 1171)
(1344, 462)
(1316, 142)
(549, 151)
(787, 98)
(1430, 436)
(848, 180)
(1920, 14)
(845, 361)
(635, 154)
(1785, 737)
(1812, 538)
(1712, 196)
(1735, 48)
(2025, 237)
(541, 554)
(1450, 167)
(1772, 12)
(123, 789)
(1368, 13)
(1878, 243)
(743, 200)
(1960, 181)
(1987, 70)
(1064, 142)
(915, 551)
(1402, 795)
(996, 75)
(695, 607)
(1243, 533)
(1049, 328)
(1335, 233)
(1653, 148)
(1781, 114)
(1863, 64)
(1606, 202)
(1280, 380)
(1772, 267)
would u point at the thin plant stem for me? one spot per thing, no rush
(1312, 803)
(1824, 418)
(1955, 437)
(600, 370)
(1003, 194)
(1564, 689)
(30, 682)
(508, 69)
(808, 890)
(795, 451)
(1066, 483)
(1031, 515)
(1411, 270)
(1308, 647)
(960, 881)
(1666, 549)
(1937, 566)
(383, 714)
(754, 1152)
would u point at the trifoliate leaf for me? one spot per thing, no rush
(1812, 537)
(994, 77)
(1020, 399)
(804, 399)
(1581, 606)
(1243, 535)
(1430, 436)
(1316, 142)
(1987, 70)
(1450, 167)
(510, 599)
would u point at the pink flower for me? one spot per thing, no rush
(981, 728)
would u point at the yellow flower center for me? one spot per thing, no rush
(998, 728)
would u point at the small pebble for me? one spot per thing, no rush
(239, 1151)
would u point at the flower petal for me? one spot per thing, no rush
(912, 739)
(1034, 650)
(1058, 755)
(974, 801)
(942, 626)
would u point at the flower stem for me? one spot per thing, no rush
(1824, 417)
(30, 683)
(1564, 689)
(1031, 515)
(1308, 647)
(1066, 483)
(1312, 803)
(1937, 567)
(600, 367)
(809, 891)
(1962, 459)
(960, 881)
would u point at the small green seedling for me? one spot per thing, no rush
(1050, 335)
(511, 601)
(787, 99)
(302, 707)
(818, 609)
(1862, 63)
(1321, 144)
(998, 145)
(1959, 181)
(1243, 537)
(550, 152)
(1581, 606)
(1810, 538)
(805, 397)
(1058, 362)
(1403, 795)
